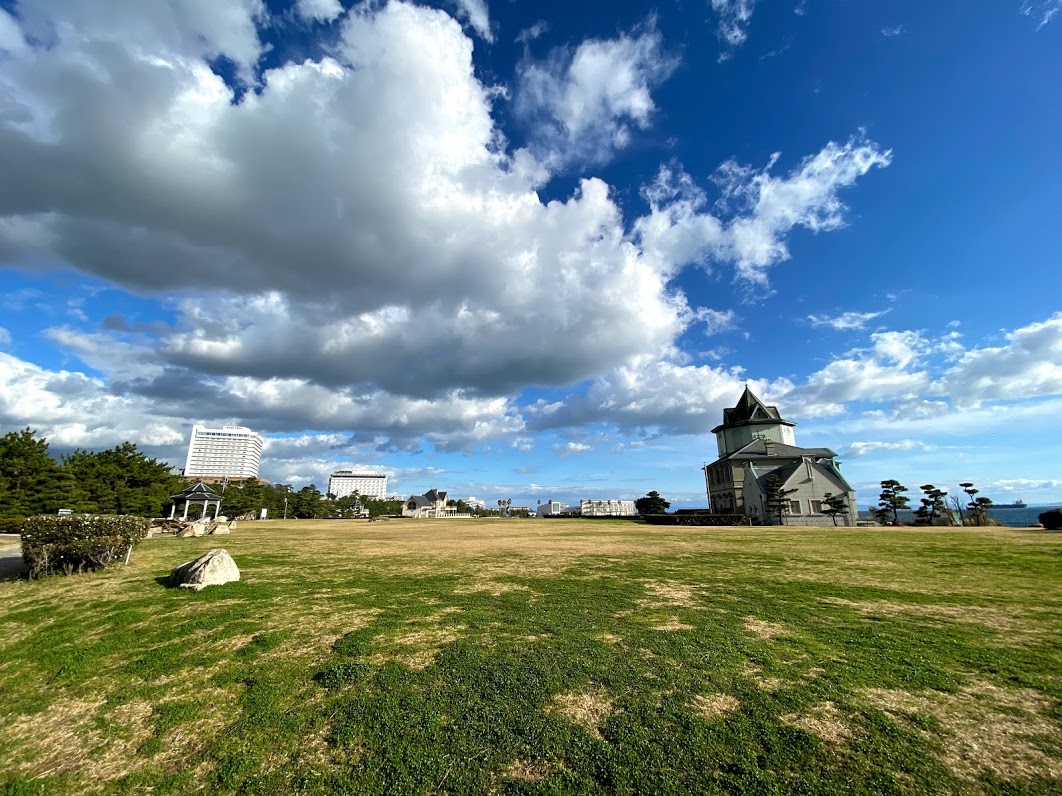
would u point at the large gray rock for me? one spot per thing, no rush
(210, 569)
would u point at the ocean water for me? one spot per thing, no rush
(1015, 518)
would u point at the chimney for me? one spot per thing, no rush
(768, 445)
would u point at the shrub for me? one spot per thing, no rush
(1052, 519)
(11, 524)
(697, 519)
(78, 542)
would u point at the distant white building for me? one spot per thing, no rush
(551, 508)
(368, 485)
(226, 452)
(607, 508)
(475, 503)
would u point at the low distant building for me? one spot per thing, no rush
(551, 508)
(607, 508)
(432, 504)
(368, 485)
(475, 503)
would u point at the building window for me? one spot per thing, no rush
(816, 506)
(794, 506)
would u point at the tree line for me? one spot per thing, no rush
(122, 480)
(934, 508)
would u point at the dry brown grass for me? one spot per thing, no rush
(528, 770)
(765, 630)
(586, 709)
(714, 705)
(822, 719)
(983, 728)
(65, 739)
(673, 624)
(1013, 626)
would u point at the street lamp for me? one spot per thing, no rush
(285, 508)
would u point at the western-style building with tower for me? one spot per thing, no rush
(755, 442)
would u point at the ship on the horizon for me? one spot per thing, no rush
(1017, 504)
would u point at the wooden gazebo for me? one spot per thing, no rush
(194, 495)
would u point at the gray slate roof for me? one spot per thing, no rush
(757, 449)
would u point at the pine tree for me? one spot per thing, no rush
(776, 499)
(892, 501)
(835, 504)
(933, 505)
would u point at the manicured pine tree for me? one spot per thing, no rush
(932, 504)
(835, 504)
(776, 498)
(891, 501)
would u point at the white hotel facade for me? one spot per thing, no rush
(346, 482)
(227, 452)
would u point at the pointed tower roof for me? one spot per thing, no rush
(750, 411)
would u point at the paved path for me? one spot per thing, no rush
(11, 564)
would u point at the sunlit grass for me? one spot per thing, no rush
(544, 656)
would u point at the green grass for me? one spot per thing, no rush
(544, 657)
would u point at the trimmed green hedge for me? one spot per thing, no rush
(78, 542)
(1052, 519)
(697, 519)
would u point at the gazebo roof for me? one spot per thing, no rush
(198, 491)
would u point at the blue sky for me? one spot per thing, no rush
(531, 250)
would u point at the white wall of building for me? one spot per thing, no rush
(229, 451)
(607, 508)
(346, 482)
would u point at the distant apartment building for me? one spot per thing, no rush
(607, 508)
(368, 485)
(475, 503)
(229, 452)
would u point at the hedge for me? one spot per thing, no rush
(78, 542)
(697, 519)
(1052, 519)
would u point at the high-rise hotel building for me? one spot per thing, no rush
(346, 482)
(227, 452)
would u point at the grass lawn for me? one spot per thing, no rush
(492, 656)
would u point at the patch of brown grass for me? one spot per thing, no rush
(822, 719)
(983, 728)
(764, 629)
(668, 594)
(492, 587)
(673, 624)
(417, 649)
(1012, 627)
(586, 709)
(755, 673)
(713, 705)
(66, 739)
(527, 770)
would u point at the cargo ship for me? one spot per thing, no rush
(1017, 504)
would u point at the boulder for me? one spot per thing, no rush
(210, 569)
(192, 529)
(218, 528)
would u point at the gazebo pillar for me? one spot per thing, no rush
(173, 509)
(185, 515)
